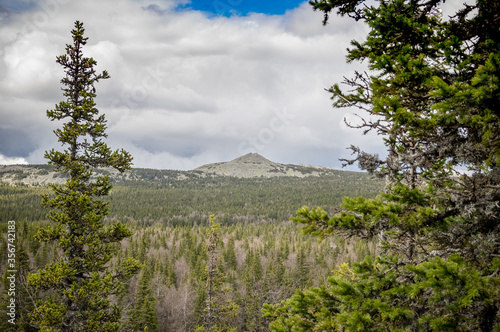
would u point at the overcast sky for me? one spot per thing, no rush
(191, 82)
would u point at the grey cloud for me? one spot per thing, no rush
(185, 88)
(15, 143)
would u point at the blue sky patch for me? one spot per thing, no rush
(242, 7)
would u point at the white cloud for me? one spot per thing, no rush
(30, 66)
(187, 89)
(12, 161)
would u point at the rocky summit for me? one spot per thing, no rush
(254, 165)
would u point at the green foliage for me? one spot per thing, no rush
(22, 203)
(192, 200)
(219, 311)
(229, 255)
(174, 258)
(80, 282)
(143, 314)
(433, 95)
(23, 294)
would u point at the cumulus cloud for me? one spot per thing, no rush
(12, 161)
(186, 88)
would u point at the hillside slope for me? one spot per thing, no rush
(254, 165)
(251, 165)
(180, 197)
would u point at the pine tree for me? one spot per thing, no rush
(23, 295)
(143, 314)
(433, 95)
(230, 255)
(219, 311)
(301, 270)
(256, 290)
(81, 282)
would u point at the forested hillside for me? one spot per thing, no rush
(157, 197)
(263, 256)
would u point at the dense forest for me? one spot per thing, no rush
(263, 255)
(192, 200)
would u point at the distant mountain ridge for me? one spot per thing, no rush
(251, 165)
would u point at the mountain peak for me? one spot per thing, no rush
(251, 158)
(254, 165)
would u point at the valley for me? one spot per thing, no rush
(263, 256)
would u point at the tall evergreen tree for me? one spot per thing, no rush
(230, 255)
(143, 314)
(219, 311)
(434, 96)
(81, 281)
(302, 269)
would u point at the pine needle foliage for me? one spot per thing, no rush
(143, 314)
(80, 285)
(220, 311)
(433, 95)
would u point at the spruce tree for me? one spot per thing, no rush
(433, 95)
(302, 269)
(230, 255)
(219, 311)
(81, 283)
(143, 314)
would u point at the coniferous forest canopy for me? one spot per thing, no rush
(154, 198)
(264, 257)
(416, 250)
